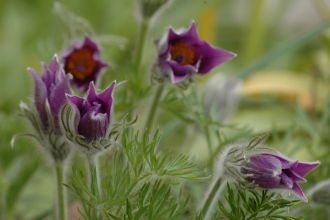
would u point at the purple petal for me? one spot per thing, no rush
(106, 97)
(176, 72)
(298, 167)
(265, 171)
(89, 43)
(211, 57)
(295, 177)
(40, 96)
(75, 100)
(188, 35)
(92, 95)
(286, 181)
(54, 65)
(297, 190)
(57, 99)
(303, 168)
(93, 125)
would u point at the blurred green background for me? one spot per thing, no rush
(286, 95)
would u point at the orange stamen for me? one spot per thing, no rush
(81, 63)
(182, 53)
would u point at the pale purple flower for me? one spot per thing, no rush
(182, 54)
(93, 114)
(273, 171)
(50, 88)
(82, 60)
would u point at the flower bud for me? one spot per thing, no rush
(51, 87)
(254, 165)
(87, 121)
(82, 61)
(182, 54)
(49, 97)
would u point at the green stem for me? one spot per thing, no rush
(153, 108)
(61, 215)
(209, 144)
(140, 46)
(210, 199)
(94, 182)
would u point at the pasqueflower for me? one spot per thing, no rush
(182, 54)
(274, 171)
(50, 88)
(82, 61)
(44, 115)
(93, 113)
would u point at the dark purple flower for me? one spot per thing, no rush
(93, 113)
(182, 54)
(51, 87)
(83, 62)
(274, 171)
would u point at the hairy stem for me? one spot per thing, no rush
(211, 197)
(153, 108)
(61, 212)
(209, 144)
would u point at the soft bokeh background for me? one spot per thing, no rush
(286, 97)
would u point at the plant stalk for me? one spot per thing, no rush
(209, 144)
(61, 212)
(153, 108)
(211, 199)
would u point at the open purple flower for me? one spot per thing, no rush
(51, 87)
(83, 62)
(93, 113)
(181, 54)
(273, 171)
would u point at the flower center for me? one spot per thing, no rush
(182, 53)
(81, 63)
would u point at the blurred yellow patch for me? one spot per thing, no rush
(207, 24)
(289, 86)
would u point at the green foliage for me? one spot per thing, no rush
(249, 204)
(138, 181)
(154, 203)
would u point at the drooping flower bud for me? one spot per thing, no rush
(221, 98)
(182, 54)
(82, 60)
(87, 121)
(255, 165)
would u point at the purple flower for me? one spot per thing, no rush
(182, 54)
(93, 113)
(51, 87)
(273, 171)
(82, 61)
